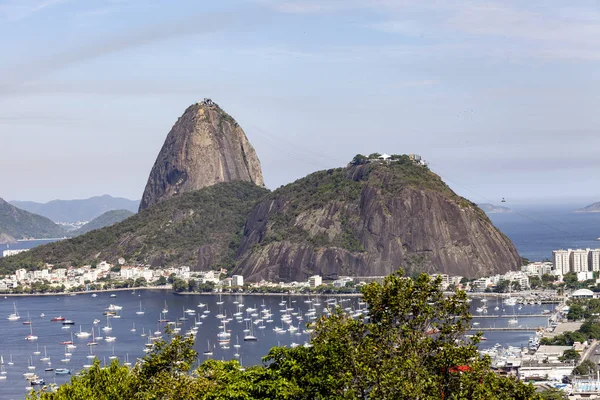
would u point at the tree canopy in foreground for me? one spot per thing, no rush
(412, 346)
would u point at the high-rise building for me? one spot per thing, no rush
(561, 260)
(594, 260)
(579, 260)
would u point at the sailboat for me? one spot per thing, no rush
(45, 358)
(10, 361)
(93, 342)
(30, 367)
(82, 334)
(112, 357)
(166, 309)
(220, 300)
(140, 312)
(15, 315)
(208, 351)
(127, 363)
(107, 328)
(31, 336)
(250, 336)
(2, 368)
(28, 322)
(133, 329)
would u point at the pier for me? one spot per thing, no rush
(507, 328)
(513, 316)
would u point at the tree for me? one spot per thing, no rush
(359, 159)
(179, 285)
(161, 281)
(171, 278)
(575, 312)
(570, 355)
(535, 282)
(586, 368)
(139, 282)
(553, 394)
(411, 346)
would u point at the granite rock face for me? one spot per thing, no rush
(205, 146)
(370, 220)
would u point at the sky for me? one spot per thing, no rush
(500, 97)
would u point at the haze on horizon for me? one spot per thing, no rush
(500, 97)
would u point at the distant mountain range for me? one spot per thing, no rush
(493, 209)
(592, 208)
(70, 211)
(107, 219)
(20, 224)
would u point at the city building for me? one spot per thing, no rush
(237, 280)
(594, 260)
(579, 260)
(315, 281)
(561, 261)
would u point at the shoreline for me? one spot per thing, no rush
(269, 294)
(166, 287)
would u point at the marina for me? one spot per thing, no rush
(226, 327)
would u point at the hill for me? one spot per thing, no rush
(107, 219)
(198, 229)
(69, 211)
(369, 219)
(592, 208)
(205, 146)
(493, 209)
(20, 224)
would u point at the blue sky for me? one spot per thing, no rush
(501, 97)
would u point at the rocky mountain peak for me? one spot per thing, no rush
(205, 146)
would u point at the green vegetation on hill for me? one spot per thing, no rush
(412, 346)
(107, 219)
(21, 224)
(175, 231)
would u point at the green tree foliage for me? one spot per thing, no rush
(553, 394)
(576, 312)
(179, 285)
(570, 355)
(586, 368)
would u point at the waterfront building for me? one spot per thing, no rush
(579, 260)
(7, 253)
(237, 280)
(561, 260)
(585, 276)
(315, 281)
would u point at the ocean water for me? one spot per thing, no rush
(537, 231)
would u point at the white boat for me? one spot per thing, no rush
(114, 307)
(94, 295)
(10, 361)
(82, 334)
(133, 329)
(127, 363)
(15, 315)
(31, 336)
(513, 321)
(45, 358)
(107, 328)
(208, 351)
(166, 309)
(220, 300)
(140, 312)
(110, 338)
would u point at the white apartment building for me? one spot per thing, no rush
(561, 260)
(594, 260)
(579, 260)
(315, 281)
(237, 280)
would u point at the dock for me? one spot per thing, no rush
(507, 328)
(513, 316)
